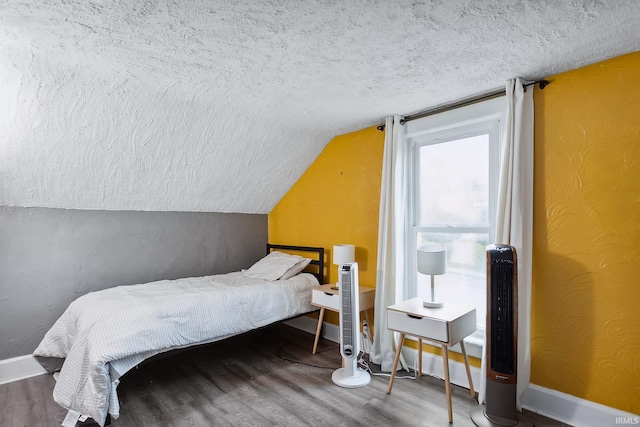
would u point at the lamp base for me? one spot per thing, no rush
(432, 304)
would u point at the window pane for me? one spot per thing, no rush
(454, 182)
(465, 279)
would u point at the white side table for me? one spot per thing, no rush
(327, 297)
(446, 326)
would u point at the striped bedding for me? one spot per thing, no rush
(104, 334)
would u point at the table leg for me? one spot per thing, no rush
(466, 365)
(447, 379)
(318, 329)
(419, 357)
(395, 362)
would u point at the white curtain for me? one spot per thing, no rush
(390, 270)
(514, 219)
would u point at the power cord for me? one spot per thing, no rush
(280, 355)
(363, 364)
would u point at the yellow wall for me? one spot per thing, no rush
(586, 258)
(586, 284)
(336, 201)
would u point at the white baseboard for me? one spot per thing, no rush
(573, 410)
(19, 368)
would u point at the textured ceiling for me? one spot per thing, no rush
(200, 105)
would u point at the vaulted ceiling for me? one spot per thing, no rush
(220, 106)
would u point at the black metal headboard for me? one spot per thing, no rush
(319, 253)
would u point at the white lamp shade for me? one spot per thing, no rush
(432, 259)
(343, 254)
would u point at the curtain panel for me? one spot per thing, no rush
(514, 217)
(391, 230)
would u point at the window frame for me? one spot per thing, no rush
(479, 118)
(490, 127)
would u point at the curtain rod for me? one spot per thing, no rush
(462, 103)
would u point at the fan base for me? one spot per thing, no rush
(360, 378)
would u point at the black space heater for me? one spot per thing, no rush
(502, 341)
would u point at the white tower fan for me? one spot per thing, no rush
(501, 349)
(350, 376)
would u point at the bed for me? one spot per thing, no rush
(104, 334)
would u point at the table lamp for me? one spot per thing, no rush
(432, 260)
(343, 254)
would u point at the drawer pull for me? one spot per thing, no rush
(415, 317)
(327, 293)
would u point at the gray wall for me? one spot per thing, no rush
(49, 257)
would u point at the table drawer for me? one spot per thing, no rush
(323, 299)
(425, 327)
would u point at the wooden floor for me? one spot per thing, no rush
(264, 378)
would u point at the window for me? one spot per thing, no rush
(453, 182)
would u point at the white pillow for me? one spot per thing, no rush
(273, 266)
(295, 269)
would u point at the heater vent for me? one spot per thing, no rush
(501, 350)
(502, 316)
(347, 310)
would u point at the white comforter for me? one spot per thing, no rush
(104, 334)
